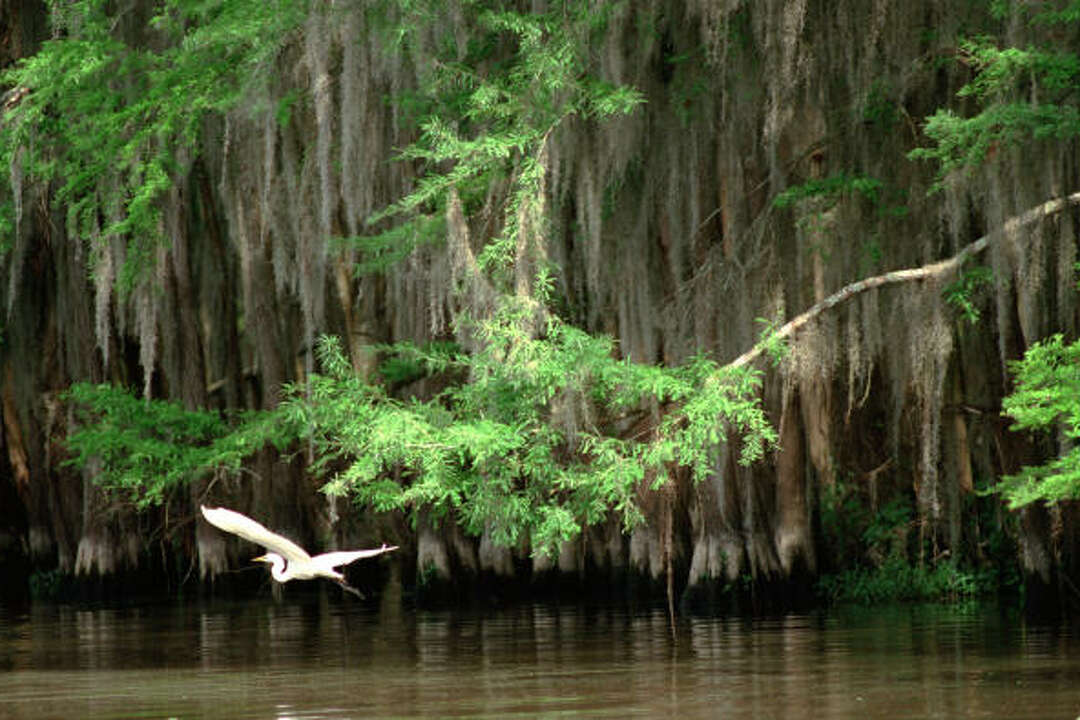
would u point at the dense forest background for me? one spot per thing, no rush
(479, 278)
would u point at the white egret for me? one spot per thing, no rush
(289, 561)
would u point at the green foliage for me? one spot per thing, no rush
(1021, 95)
(898, 579)
(496, 454)
(886, 534)
(844, 515)
(106, 118)
(875, 557)
(405, 362)
(378, 252)
(1046, 398)
(881, 110)
(1069, 12)
(831, 188)
(776, 348)
(688, 86)
(49, 585)
(528, 440)
(515, 445)
(489, 114)
(1066, 11)
(886, 203)
(144, 449)
(962, 294)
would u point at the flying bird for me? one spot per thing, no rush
(289, 561)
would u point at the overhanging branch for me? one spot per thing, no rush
(933, 270)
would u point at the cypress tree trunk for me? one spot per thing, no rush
(665, 233)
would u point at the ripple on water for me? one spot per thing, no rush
(315, 657)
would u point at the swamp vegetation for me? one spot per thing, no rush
(729, 298)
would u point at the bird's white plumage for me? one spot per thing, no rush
(344, 557)
(233, 522)
(289, 560)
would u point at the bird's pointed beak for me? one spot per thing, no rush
(261, 558)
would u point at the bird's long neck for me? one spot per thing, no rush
(277, 571)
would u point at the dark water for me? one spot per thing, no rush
(324, 656)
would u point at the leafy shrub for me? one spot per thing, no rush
(1046, 397)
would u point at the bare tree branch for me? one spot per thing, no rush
(933, 270)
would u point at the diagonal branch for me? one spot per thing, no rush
(933, 270)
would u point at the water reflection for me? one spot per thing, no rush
(319, 657)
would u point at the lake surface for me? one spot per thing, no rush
(324, 656)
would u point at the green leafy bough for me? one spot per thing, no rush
(1046, 398)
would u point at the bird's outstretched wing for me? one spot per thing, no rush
(233, 522)
(332, 560)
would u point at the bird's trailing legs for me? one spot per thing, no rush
(349, 588)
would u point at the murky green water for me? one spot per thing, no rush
(315, 657)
